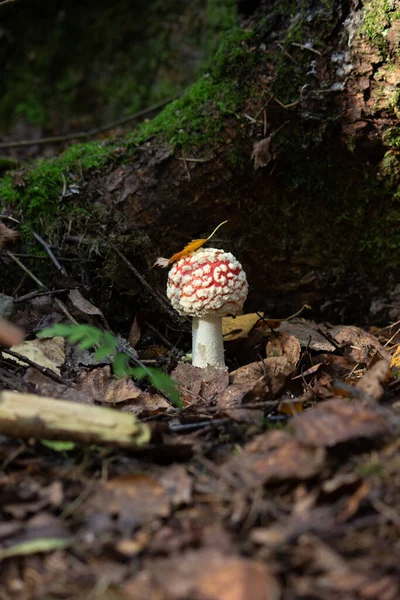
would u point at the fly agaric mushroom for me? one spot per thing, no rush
(207, 285)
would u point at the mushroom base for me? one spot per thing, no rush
(208, 343)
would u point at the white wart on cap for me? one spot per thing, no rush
(207, 285)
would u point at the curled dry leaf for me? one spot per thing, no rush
(82, 304)
(102, 387)
(275, 370)
(371, 382)
(359, 345)
(7, 235)
(283, 344)
(336, 421)
(262, 152)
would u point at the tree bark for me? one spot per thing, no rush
(305, 170)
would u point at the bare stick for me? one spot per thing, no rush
(162, 302)
(38, 417)
(43, 287)
(50, 253)
(7, 2)
(92, 132)
(44, 370)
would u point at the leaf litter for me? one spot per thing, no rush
(275, 480)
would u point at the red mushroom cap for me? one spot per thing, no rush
(208, 282)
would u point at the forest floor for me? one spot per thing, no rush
(277, 480)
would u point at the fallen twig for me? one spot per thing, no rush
(50, 253)
(44, 370)
(38, 417)
(42, 286)
(161, 301)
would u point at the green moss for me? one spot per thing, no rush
(377, 19)
(40, 197)
(197, 117)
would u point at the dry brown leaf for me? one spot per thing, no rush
(336, 421)
(199, 384)
(276, 456)
(44, 386)
(359, 345)
(101, 385)
(132, 499)
(7, 235)
(307, 334)
(283, 344)
(206, 574)
(262, 152)
(135, 333)
(275, 370)
(82, 304)
(371, 382)
(149, 403)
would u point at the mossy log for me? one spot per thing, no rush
(292, 136)
(31, 416)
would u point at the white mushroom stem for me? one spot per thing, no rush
(208, 343)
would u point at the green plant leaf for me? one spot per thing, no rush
(161, 381)
(55, 330)
(58, 445)
(121, 365)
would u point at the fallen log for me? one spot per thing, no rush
(38, 417)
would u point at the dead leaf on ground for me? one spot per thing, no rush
(129, 501)
(283, 344)
(307, 335)
(49, 353)
(199, 384)
(206, 574)
(336, 421)
(276, 456)
(338, 367)
(148, 403)
(178, 484)
(82, 304)
(102, 387)
(7, 235)
(44, 386)
(262, 152)
(234, 328)
(371, 382)
(275, 369)
(135, 332)
(359, 345)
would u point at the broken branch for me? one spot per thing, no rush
(38, 417)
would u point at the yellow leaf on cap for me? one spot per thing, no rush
(188, 249)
